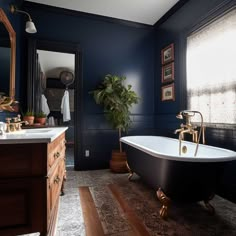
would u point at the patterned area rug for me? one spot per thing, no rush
(184, 220)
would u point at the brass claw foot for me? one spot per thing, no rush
(165, 203)
(130, 171)
(208, 206)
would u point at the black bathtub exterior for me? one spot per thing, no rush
(179, 180)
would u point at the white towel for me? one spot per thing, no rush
(65, 107)
(44, 105)
(51, 121)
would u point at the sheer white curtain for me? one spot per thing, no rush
(211, 70)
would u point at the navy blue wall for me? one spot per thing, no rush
(107, 47)
(175, 30)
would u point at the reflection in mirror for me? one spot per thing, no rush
(51, 81)
(55, 79)
(50, 87)
(7, 63)
(5, 57)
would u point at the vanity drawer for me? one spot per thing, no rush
(57, 153)
(54, 184)
(56, 150)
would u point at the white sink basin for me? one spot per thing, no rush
(39, 135)
(36, 131)
(39, 131)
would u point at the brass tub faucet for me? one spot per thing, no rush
(189, 128)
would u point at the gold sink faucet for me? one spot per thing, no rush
(190, 129)
(14, 124)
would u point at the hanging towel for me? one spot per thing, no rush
(65, 107)
(51, 121)
(44, 105)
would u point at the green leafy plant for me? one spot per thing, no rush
(116, 99)
(29, 113)
(40, 115)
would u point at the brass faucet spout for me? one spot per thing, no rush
(186, 131)
(178, 130)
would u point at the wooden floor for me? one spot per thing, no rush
(92, 222)
(91, 219)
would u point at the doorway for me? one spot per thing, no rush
(55, 81)
(50, 64)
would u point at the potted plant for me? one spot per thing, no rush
(40, 118)
(29, 116)
(116, 99)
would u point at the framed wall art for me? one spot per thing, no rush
(168, 92)
(167, 54)
(168, 73)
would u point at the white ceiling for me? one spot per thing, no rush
(141, 11)
(53, 63)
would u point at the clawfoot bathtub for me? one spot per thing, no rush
(182, 178)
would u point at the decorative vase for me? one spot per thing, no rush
(118, 162)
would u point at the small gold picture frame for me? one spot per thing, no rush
(168, 73)
(168, 92)
(167, 54)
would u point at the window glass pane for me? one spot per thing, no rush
(211, 74)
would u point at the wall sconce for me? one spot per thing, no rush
(29, 27)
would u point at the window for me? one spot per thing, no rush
(211, 70)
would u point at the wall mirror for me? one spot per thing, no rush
(7, 59)
(46, 60)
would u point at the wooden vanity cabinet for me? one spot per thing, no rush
(31, 180)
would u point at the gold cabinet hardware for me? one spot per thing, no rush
(57, 180)
(56, 155)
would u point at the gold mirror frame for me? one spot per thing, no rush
(6, 102)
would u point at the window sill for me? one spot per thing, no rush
(218, 125)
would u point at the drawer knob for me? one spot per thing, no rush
(56, 155)
(57, 180)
